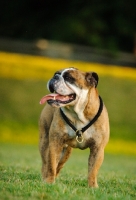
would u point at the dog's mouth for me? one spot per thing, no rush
(58, 98)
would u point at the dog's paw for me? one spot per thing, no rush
(93, 184)
(50, 180)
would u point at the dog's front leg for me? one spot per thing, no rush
(95, 160)
(53, 159)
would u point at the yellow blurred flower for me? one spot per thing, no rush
(21, 66)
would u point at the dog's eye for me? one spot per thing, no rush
(68, 77)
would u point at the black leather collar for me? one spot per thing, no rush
(79, 133)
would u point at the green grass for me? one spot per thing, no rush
(20, 176)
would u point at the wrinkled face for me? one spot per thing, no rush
(68, 85)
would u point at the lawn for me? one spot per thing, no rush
(20, 176)
(23, 82)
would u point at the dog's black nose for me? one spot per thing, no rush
(56, 77)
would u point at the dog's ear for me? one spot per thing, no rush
(92, 78)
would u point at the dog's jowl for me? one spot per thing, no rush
(74, 117)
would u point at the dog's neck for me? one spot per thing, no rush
(93, 104)
(85, 109)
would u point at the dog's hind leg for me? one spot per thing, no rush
(64, 157)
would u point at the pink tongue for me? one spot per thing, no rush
(54, 97)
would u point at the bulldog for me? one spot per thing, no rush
(74, 117)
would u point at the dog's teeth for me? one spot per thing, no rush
(54, 98)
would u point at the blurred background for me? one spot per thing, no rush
(99, 24)
(38, 37)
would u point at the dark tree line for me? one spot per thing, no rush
(98, 23)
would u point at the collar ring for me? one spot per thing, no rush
(79, 137)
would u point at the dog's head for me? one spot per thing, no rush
(69, 85)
